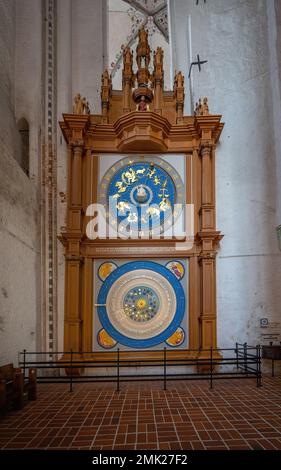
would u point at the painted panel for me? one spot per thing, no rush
(140, 304)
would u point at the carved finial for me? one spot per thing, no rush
(86, 108)
(143, 75)
(179, 94)
(127, 56)
(179, 80)
(158, 74)
(205, 107)
(127, 74)
(106, 85)
(143, 49)
(202, 109)
(78, 104)
(81, 105)
(158, 56)
(105, 78)
(143, 57)
(105, 94)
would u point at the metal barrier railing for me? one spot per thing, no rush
(244, 362)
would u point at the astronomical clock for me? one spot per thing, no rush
(141, 237)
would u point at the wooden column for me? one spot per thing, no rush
(87, 305)
(194, 303)
(127, 96)
(76, 175)
(208, 314)
(73, 320)
(157, 96)
(196, 187)
(207, 207)
(208, 238)
(77, 125)
(90, 186)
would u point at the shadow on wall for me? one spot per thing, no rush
(23, 154)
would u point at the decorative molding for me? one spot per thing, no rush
(49, 186)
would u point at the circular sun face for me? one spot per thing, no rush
(141, 303)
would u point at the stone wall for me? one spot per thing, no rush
(19, 203)
(237, 39)
(81, 60)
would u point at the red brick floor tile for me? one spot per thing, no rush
(142, 438)
(152, 446)
(234, 415)
(186, 445)
(197, 445)
(164, 446)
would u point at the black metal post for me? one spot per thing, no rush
(24, 364)
(211, 375)
(165, 371)
(71, 372)
(236, 351)
(272, 367)
(118, 371)
(245, 358)
(259, 365)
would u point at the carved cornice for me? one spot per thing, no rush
(148, 131)
(208, 127)
(213, 235)
(74, 127)
(208, 243)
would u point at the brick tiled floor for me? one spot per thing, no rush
(234, 415)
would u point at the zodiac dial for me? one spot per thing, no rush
(141, 194)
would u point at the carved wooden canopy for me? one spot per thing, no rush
(124, 127)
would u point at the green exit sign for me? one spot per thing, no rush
(278, 230)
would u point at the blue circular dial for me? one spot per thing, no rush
(143, 194)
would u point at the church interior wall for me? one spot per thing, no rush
(81, 56)
(20, 216)
(237, 81)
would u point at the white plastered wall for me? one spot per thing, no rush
(236, 38)
(20, 56)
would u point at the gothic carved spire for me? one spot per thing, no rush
(127, 65)
(143, 92)
(202, 109)
(143, 58)
(106, 87)
(158, 65)
(179, 93)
